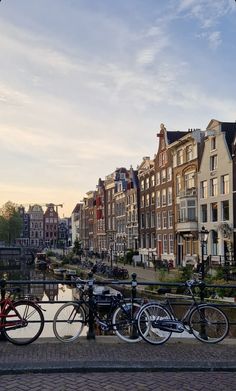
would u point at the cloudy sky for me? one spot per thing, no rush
(85, 84)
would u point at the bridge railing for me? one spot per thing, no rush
(134, 291)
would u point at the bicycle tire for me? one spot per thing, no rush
(33, 322)
(208, 324)
(68, 322)
(124, 326)
(147, 315)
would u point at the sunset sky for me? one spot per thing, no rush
(85, 84)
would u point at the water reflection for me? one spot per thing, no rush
(47, 293)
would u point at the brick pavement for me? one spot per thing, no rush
(120, 382)
(110, 364)
(108, 354)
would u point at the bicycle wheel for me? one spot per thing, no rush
(208, 324)
(69, 322)
(23, 323)
(125, 324)
(148, 318)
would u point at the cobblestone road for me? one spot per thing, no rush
(210, 381)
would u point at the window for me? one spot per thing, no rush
(171, 243)
(213, 162)
(204, 213)
(142, 221)
(187, 211)
(159, 220)
(213, 184)
(170, 219)
(189, 153)
(163, 176)
(158, 178)
(159, 244)
(178, 184)
(153, 180)
(189, 180)
(147, 199)
(153, 198)
(169, 174)
(142, 201)
(214, 243)
(225, 210)
(169, 195)
(214, 214)
(225, 184)
(165, 244)
(191, 210)
(153, 219)
(213, 143)
(147, 183)
(142, 184)
(188, 246)
(163, 197)
(162, 159)
(180, 157)
(158, 199)
(147, 220)
(203, 189)
(164, 220)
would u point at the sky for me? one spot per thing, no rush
(85, 85)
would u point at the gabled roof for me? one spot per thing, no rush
(173, 136)
(76, 208)
(229, 128)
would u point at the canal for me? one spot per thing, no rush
(52, 295)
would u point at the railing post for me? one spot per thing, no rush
(134, 286)
(202, 312)
(3, 294)
(134, 332)
(91, 332)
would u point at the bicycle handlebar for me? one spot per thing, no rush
(194, 282)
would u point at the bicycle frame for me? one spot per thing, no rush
(10, 324)
(106, 321)
(184, 320)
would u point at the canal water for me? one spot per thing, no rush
(52, 295)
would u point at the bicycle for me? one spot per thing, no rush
(156, 321)
(21, 321)
(117, 314)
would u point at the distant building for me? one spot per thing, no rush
(217, 185)
(50, 226)
(36, 225)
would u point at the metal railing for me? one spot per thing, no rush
(133, 286)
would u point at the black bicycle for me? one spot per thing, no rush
(156, 321)
(111, 313)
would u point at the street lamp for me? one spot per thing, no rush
(203, 235)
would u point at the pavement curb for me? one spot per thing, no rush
(119, 366)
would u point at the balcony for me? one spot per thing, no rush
(192, 192)
(185, 225)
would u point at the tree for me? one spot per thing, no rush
(10, 223)
(77, 249)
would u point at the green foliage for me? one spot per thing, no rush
(187, 272)
(129, 256)
(10, 223)
(77, 249)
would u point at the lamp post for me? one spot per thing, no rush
(203, 234)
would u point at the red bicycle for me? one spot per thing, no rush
(21, 321)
